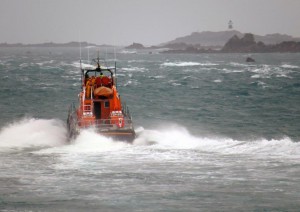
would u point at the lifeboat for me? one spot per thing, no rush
(100, 106)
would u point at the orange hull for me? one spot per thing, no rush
(100, 107)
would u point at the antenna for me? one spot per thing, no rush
(116, 74)
(88, 52)
(115, 57)
(80, 50)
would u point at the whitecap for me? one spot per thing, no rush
(128, 52)
(177, 137)
(31, 132)
(289, 66)
(157, 77)
(227, 71)
(133, 69)
(88, 141)
(82, 65)
(182, 64)
(217, 80)
(131, 82)
(238, 64)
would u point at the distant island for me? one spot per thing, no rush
(237, 43)
(51, 44)
(230, 41)
(208, 38)
(245, 44)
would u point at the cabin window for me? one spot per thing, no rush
(106, 104)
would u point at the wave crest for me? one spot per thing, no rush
(180, 138)
(30, 132)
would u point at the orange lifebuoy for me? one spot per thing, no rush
(121, 122)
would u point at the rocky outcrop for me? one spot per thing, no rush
(244, 44)
(135, 46)
(287, 46)
(208, 38)
(250, 60)
(247, 44)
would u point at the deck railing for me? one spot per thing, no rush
(107, 124)
(124, 123)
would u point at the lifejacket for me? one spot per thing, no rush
(88, 89)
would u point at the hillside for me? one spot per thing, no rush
(208, 38)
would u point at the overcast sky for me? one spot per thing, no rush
(150, 22)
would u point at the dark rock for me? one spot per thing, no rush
(244, 44)
(135, 46)
(249, 59)
(208, 38)
(247, 44)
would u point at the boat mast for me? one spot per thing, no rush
(80, 64)
(116, 73)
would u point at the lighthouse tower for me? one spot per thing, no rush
(230, 25)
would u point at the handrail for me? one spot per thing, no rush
(106, 124)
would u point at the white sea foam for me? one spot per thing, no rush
(289, 66)
(128, 52)
(31, 132)
(232, 70)
(83, 65)
(267, 71)
(217, 80)
(51, 136)
(182, 64)
(88, 141)
(157, 77)
(131, 82)
(174, 82)
(180, 138)
(23, 65)
(133, 69)
(45, 62)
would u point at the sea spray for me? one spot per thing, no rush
(180, 138)
(31, 132)
(88, 141)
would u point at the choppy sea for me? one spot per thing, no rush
(214, 133)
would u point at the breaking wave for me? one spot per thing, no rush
(133, 69)
(88, 141)
(267, 71)
(50, 136)
(182, 64)
(30, 132)
(180, 138)
(289, 66)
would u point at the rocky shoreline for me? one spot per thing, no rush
(245, 44)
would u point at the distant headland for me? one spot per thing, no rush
(230, 41)
(51, 44)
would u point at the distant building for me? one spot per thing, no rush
(230, 25)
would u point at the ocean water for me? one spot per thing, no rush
(214, 134)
